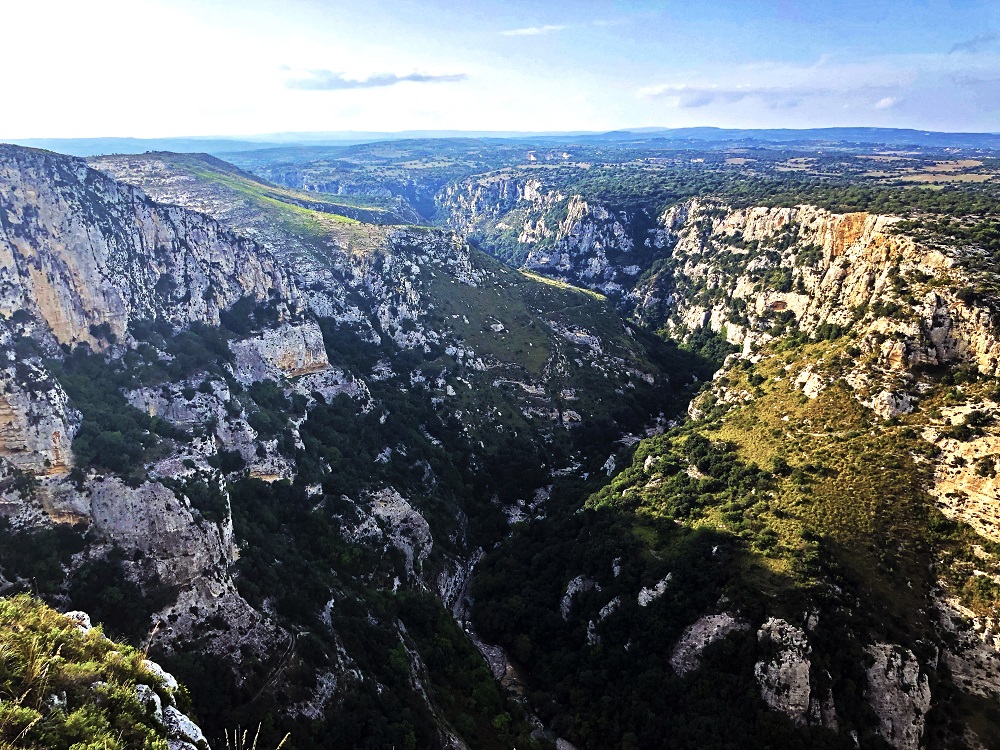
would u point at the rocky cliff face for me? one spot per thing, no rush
(819, 306)
(900, 693)
(345, 330)
(79, 250)
(83, 257)
(739, 269)
(463, 368)
(562, 236)
(37, 423)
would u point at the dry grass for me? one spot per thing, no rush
(242, 740)
(942, 179)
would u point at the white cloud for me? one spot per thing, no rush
(977, 44)
(533, 30)
(326, 80)
(941, 90)
(690, 96)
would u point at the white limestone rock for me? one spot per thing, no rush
(166, 679)
(686, 656)
(180, 729)
(143, 260)
(386, 517)
(900, 694)
(888, 404)
(784, 678)
(648, 595)
(576, 586)
(289, 351)
(150, 700)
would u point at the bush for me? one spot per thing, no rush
(45, 655)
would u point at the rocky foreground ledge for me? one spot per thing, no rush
(64, 683)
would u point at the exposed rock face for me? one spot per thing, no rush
(593, 638)
(686, 656)
(386, 516)
(287, 351)
(86, 250)
(37, 424)
(834, 266)
(164, 536)
(966, 485)
(152, 519)
(900, 695)
(164, 178)
(188, 405)
(784, 679)
(973, 650)
(565, 237)
(79, 249)
(182, 733)
(838, 264)
(480, 199)
(404, 526)
(647, 595)
(888, 404)
(581, 243)
(578, 585)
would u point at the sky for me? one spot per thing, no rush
(158, 68)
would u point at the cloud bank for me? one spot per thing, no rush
(977, 44)
(533, 30)
(327, 80)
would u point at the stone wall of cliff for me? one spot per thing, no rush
(79, 250)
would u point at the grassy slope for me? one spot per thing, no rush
(342, 208)
(44, 654)
(845, 506)
(807, 505)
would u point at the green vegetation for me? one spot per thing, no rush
(115, 436)
(294, 555)
(118, 438)
(310, 208)
(621, 692)
(779, 505)
(106, 588)
(37, 557)
(772, 507)
(61, 689)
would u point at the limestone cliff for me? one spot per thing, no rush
(37, 423)
(738, 270)
(80, 250)
(563, 236)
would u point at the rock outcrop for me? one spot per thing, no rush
(37, 423)
(579, 585)
(557, 235)
(386, 518)
(158, 694)
(784, 678)
(80, 250)
(289, 351)
(900, 695)
(686, 656)
(965, 482)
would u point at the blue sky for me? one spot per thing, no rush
(150, 68)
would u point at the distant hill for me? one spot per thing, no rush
(880, 136)
(220, 145)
